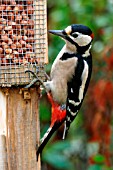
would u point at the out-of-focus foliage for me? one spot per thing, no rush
(89, 143)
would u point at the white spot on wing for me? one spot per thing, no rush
(71, 90)
(72, 113)
(68, 119)
(74, 103)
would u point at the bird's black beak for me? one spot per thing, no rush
(58, 32)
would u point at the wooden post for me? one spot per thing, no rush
(19, 128)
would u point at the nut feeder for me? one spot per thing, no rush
(23, 46)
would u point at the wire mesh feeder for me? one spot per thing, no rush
(23, 39)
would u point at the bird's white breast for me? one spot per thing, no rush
(61, 72)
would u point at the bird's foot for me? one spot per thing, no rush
(39, 69)
(35, 78)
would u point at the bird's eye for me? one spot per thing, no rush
(75, 35)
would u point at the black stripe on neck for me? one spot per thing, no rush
(66, 56)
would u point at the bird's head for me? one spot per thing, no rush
(75, 35)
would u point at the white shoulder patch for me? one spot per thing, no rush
(84, 79)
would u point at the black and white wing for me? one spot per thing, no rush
(77, 88)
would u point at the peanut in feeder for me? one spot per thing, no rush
(23, 39)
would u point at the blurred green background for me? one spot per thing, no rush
(89, 144)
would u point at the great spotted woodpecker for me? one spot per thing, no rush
(69, 77)
(71, 70)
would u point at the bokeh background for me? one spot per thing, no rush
(89, 144)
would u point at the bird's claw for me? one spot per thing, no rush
(35, 80)
(39, 68)
(29, 71)
(35, 75)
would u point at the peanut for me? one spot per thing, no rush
(16, 32)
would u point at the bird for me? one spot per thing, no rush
(71, 71)
(69, 77)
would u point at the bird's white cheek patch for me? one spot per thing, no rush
(68, 30)
(83, 40)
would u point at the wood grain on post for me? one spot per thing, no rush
(20, 129)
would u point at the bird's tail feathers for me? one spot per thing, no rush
(66, 128)
(46, 137)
